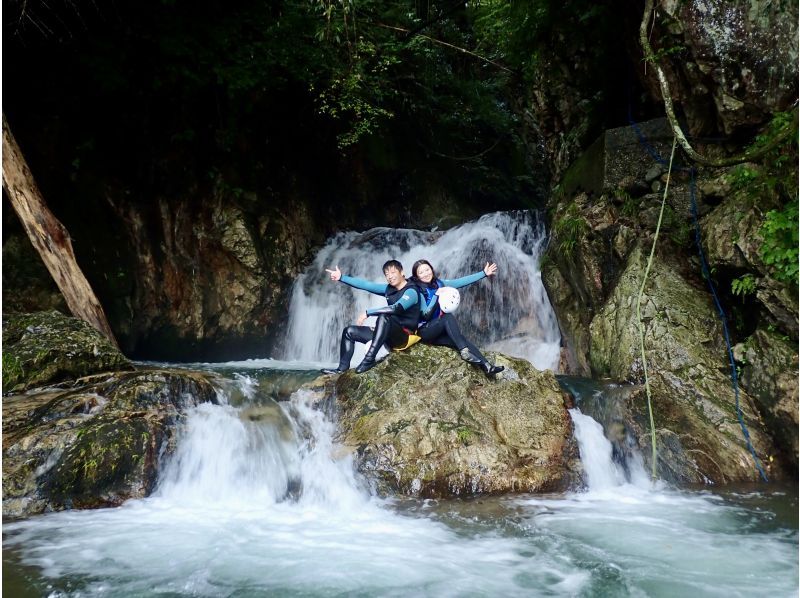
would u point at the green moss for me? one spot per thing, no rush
(46, 347)
(106, 452)
(12, 371)
(465, 434)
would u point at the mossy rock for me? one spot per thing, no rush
(425, 423)
(693, 399)
(47, 347)
(96, 444)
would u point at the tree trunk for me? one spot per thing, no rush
(49, 237)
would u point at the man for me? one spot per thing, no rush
(395, 322)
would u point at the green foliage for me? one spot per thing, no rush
(780, 232)
(569, 229)
(742, 177)
(744, 285)
(662, 53)
(774, 181)
(630, 206)
(465, 434)
(356, 95)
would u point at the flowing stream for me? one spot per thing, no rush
(259, 500)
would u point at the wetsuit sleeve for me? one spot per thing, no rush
(364, 285)
(457, 283)
(409, 299)
(429, 309)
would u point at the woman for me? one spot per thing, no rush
(439, 328)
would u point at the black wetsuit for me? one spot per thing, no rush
(395, 321)
(443, 330)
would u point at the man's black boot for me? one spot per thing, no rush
(366, 365)
(491, 370)
(378, 338)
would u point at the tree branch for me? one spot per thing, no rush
(443, 43)
(49, 237)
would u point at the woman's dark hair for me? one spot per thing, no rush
(414, 268)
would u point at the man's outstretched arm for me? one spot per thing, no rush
(357, 283)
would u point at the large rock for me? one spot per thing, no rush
(424, 423)
(618, 159)
(96, 443)
(730, 64)
(210, 278)
(732, 242)
(45, 347)
(694, 402)
(769, 374)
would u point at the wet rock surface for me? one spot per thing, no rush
(47, 347)
(93, 443)
(424, 423)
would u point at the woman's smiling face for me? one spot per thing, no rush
(425, 273)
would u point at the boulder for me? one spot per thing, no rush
(96, 443)
(424, 423)
(693, 398)
(740, 57)
(46, 347)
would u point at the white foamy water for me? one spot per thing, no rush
(261, 501)
(601, 471)
(509, 312)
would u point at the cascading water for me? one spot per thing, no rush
(258, 500)
(510, 312)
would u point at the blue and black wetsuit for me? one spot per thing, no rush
(442, 329)
(395, 321)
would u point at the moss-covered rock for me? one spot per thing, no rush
(694, 402)
(46, 347)
(424, 423)
(96, 444)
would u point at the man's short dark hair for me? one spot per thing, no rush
(392, 264)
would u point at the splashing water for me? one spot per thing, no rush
(510, 312)
(260, 500)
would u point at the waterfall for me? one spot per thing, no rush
(509, 312)
(263, 453)
(602, 471)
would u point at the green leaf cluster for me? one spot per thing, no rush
(780, 233)
(744, 285)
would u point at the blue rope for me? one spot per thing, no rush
(707, 275)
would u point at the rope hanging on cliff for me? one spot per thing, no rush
(734, 375)
(639, 312)
(707, 275)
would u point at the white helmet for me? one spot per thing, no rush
(449, 298)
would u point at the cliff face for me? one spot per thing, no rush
(732, 68)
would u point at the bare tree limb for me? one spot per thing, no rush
(443, 43)
(49, 237)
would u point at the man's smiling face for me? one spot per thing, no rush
(393, 276)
